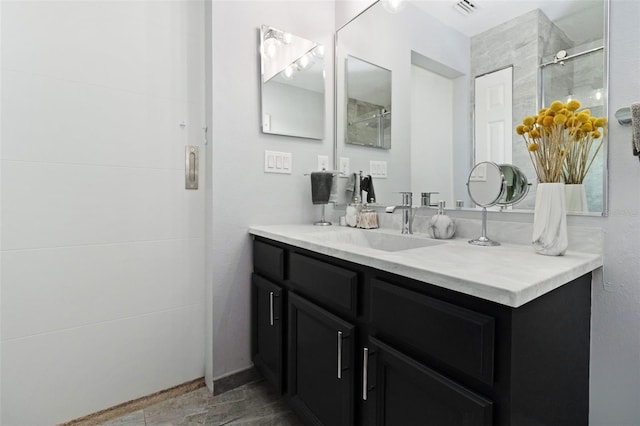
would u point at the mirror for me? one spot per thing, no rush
(368, 104)
(436, 57)
(292, 81)
(491, 184)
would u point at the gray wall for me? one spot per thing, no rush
(242, 194)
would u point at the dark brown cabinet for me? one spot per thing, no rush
(348, 345)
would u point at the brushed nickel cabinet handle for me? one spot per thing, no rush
(271, 308)
(339, 354)
(365, 368)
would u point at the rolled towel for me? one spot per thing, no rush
(635, 127)
(333, 197)
(321, 183)
(367, 185)
(350, 187)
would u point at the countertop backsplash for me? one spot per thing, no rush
(581, 238)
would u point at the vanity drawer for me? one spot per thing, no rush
(458, 337)
(333, 285)
(268, 260)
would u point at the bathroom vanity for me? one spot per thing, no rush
(444, 334)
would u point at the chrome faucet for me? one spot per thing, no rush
(407, 212)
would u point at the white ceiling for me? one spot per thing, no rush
(585, 14)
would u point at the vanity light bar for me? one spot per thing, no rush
(465, 7)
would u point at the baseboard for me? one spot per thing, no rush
(221, 385)
(234, 380)
(136, 404)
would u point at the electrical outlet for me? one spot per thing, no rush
(345, 166)
(323, 162)
(277, 162)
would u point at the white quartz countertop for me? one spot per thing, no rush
(508, 274)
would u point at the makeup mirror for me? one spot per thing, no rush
(490, 184)
(292, 81)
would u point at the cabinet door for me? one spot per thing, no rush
(267, 330)
(320, 364)
(401, 391)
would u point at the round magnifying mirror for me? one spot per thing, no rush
(490, 184)
(486, 184)
(515, 185)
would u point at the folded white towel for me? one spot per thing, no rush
(635, 127)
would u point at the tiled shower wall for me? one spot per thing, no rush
(523, 40)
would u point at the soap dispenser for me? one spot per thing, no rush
(441, 226)
(353, 211)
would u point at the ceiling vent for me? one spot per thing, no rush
(466, 7)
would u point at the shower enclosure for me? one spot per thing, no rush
(578, 73)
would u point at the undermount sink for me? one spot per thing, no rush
(374, 239)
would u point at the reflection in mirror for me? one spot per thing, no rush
(486, 184)
(435, 55)
(491, 184)
(368, 104)
(292, 80)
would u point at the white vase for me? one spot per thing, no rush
(576, 198)
(550, 220)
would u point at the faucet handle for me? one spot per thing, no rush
(425, 199)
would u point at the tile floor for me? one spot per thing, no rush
(253, 404)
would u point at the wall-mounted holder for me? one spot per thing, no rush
(623, 115)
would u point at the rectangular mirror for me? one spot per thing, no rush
(292, 81)
(368, 104)
(437, 56)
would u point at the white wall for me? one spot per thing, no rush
(432, 123)
(615, 354)
(102, 249)
(242, 194)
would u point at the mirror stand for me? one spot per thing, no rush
(483, 240)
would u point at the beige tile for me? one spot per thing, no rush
(132, 419)
(179, 410)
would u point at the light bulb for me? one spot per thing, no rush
(318, 52)
(287, 73)
(393, 6)
(270, 47)
(304, 62)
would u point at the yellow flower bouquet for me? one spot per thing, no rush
(562, 141)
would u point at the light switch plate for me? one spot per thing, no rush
(345, 166)
(323, 162)
(378, 169)
(277, 162)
